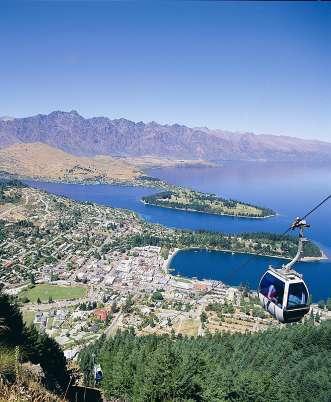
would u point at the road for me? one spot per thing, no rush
(113, 324)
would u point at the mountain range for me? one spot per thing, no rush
(81, 136)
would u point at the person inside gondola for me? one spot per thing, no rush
(272, 293)
(272, 288)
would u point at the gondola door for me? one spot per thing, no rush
(271, 294)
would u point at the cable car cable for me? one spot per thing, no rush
(311, 211)
(253, 256)
(282, 234)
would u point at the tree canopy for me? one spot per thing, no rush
(288, 364)
(35, 347)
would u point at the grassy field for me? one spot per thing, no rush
(56, 292)
(189, 327)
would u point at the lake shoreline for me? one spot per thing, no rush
(157, 185)
(246, 182)
(174, 252)
(119, 183)
(307, 259)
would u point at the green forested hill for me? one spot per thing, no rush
(287, 364)
(259, 243)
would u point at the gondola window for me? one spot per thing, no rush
(273, 289)
(297, 295)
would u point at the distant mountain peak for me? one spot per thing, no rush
(206, 129)
(74, 112)
(60, 113)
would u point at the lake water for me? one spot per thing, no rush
(289, 189)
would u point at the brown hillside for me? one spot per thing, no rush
(37, 160)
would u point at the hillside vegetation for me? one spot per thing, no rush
(280, 365)
(30, 346)
(24, 385)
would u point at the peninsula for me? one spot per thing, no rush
(190, 200)
(40, 161)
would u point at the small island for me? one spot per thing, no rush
(186, 199)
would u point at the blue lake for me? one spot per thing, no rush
(241, 268)
(289, 189)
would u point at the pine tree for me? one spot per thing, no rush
(11, 320)
(32, 279)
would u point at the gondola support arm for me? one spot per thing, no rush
(300, 224)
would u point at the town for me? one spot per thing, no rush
(76, 280)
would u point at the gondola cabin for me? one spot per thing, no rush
(284, 294)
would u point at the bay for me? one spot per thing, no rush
(290, 189)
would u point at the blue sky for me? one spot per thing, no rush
(261, 67)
